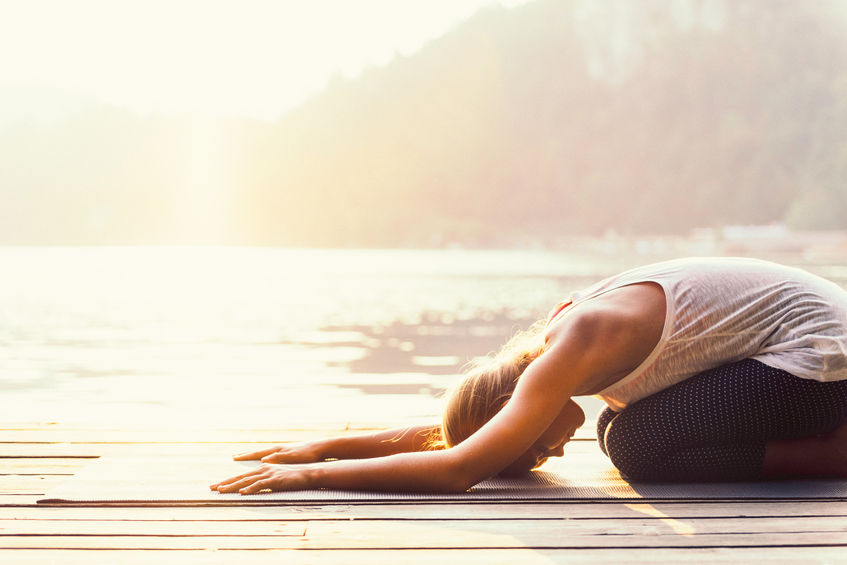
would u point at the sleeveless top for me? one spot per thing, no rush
(722, 310)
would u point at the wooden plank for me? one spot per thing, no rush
(412, 534)
(94, 450)
(429, 556)
(14, 500)
(163, 436)
(171, 436)
(151, 528)
(386, 540)
(633, 526)
(150, 542)
(95, 425)
(42, 465)
(540, 530)
(239, 433)
(30, 484)
(33, 432)
(454, 511)
(75, 450)
(316, 426)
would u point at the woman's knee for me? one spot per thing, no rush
(632, 449)
(603, 419)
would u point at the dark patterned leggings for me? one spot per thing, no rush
(713, 426)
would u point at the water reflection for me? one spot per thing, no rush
(439, 345)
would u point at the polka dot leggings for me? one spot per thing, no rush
(713, 426)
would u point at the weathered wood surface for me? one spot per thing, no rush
(511, 532)
(448, 511)
(28, 484)
(85, 449)
(523, 556)
(53, 433)
(465, 532)
(38, 466)
(337, 540)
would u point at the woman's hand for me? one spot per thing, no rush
(307, 452)
(268, 476)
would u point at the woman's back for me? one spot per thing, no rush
(723, 310)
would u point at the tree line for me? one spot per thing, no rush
(553, 118)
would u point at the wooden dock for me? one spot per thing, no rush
(36, 457)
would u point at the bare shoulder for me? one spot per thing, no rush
(617, 330)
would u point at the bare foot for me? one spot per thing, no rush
(837, 443)
(820, 456)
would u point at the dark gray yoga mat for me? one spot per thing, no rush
(186, 480)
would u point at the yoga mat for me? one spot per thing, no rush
(186, 480)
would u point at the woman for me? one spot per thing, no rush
(712, 369)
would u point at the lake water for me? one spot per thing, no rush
(231, 337)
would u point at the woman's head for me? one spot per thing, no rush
(488, 385)
(551, 443)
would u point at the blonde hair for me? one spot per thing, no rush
(487, 385)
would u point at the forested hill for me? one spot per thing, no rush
(557, 117)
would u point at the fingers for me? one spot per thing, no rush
(249, 455)
(246, 485)
(257, 486)
(228, 482)
(273, 477)
(238, 485)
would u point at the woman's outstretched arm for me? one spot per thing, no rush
(358, 446)
(541, 393)
(606, 338)
(540, 396)
(426, 471)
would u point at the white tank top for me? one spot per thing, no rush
(722, 310)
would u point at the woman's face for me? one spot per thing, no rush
(551, 443)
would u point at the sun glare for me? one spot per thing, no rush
(254, 59)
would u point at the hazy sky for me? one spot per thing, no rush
(252, 58)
